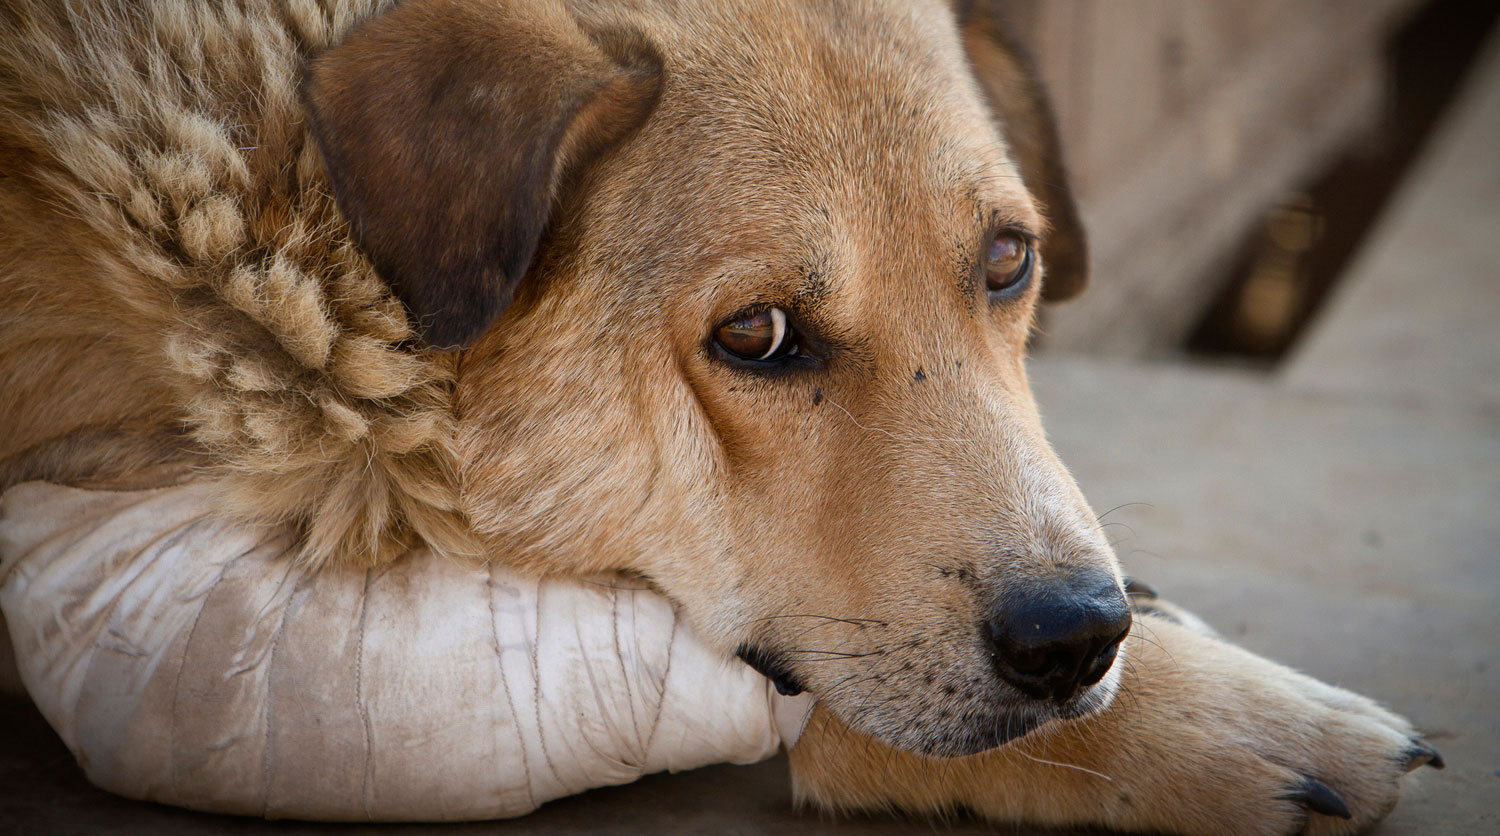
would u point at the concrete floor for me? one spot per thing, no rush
(1339, 515)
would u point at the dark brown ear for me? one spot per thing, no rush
(447, 127)
(1009, 81)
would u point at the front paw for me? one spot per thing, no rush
(1206, 738)
(1203, 739)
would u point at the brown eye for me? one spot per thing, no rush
(762, 336)
(1008, 262)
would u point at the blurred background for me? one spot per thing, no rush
(1281, 392)
(1231, 157)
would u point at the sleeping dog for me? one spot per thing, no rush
(732, 296)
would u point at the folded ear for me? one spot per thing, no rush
(1010, 84)
(447, 128)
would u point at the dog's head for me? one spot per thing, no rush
(745, 290)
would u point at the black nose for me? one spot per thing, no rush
(1053, 639)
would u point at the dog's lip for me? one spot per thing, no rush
(1019, 723)
(1009, 721)
(773, 667)
(993, 722)
(1010, 725)
(1004, 728)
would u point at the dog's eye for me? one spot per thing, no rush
(763, 336)
(1008, 262)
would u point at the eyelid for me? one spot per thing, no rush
(998, 219)
(1023, 232)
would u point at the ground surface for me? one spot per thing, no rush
(1341, 515)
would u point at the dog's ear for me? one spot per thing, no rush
(1020, 105)
(447, 128)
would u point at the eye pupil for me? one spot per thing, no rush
(763, 336)
(1007, 262)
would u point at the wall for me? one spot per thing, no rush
(1183, 121)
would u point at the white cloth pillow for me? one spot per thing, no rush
(185, 660)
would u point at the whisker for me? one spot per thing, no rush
(605, 585)
(1083, 769)
(1125, 505)
(834, 654)
(1146, 627)
(1134, 552)
(855, 621)
(888, 433)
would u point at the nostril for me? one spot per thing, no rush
(1033, 663)
(1104, 661)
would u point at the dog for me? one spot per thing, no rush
(733, 296)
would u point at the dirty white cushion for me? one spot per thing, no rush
(185, 660)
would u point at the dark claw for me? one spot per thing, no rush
(1317, 797)
(1420, 754)
(1135, 587)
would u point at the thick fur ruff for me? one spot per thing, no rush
(172, 137)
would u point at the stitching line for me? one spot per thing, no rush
(359, 702)
(510, 699)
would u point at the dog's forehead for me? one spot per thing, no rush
(861, 88)
(818, 117)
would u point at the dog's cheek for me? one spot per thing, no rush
(575, 455)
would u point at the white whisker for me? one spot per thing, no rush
(888, 433)
(1066, 766)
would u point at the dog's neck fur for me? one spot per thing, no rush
(217, 262)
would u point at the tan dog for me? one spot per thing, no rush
(731, 295)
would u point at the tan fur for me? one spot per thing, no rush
(183, 251)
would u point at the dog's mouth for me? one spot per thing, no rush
(932, 717)
(987, 724)
(1010, 723)
(773, 667)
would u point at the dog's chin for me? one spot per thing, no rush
(992, 727)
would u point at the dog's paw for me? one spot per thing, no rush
(1209, 738)
(1203, 739)
(1341, 755)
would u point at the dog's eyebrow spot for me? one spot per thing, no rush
(919, 375)
(817, 397)
(814, 287)
(969, 271)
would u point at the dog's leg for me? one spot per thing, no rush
(1203, 738)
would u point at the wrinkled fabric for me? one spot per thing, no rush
(185, 660)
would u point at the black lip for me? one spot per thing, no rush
(1003, 730)
(773, 667)
(1002, 727)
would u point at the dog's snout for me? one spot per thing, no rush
(1058, 638)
